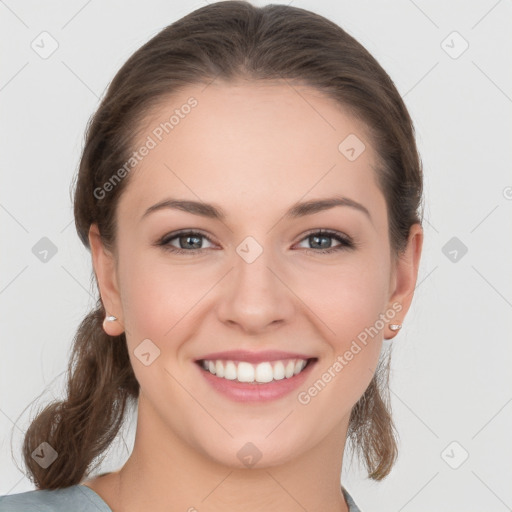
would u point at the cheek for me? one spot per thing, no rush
(351, 307)
(350, 302)
(161, 301)
(348, 297)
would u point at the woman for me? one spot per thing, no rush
(250, 190)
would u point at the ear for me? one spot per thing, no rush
(104, 265)
(405, 276)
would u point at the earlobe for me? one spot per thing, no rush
(104, 266)
(406, 274)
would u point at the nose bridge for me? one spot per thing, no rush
(256, 297)
(252, 264)
(252, 272)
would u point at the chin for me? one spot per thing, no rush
(255, 451)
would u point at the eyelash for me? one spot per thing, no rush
(345, 242)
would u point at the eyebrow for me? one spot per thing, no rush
(297, 210)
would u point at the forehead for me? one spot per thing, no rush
(242, 144)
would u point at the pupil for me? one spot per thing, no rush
(322, 245)
(197, 245)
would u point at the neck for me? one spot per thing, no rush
(165, 473)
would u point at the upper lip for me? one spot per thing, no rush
(253, 357)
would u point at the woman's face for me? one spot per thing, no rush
(251, 284)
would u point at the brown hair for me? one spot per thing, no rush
(226, 40)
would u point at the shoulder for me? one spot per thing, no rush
(352, 507)
(78, 498)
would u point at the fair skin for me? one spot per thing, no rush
(253, 150)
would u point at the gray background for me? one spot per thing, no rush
(451, 362)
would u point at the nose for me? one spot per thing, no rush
(256, 296)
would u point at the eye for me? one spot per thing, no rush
(317, 238)
(189, 242)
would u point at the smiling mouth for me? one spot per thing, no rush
(261, 373)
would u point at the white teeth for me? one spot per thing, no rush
(245, 372)
(298, 367)
(219, 369)
(278, 371)
(262, 372)
(230, 371)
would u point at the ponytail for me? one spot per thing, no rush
(100, 381)
(371, 430)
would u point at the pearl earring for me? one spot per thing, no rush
(110, 318)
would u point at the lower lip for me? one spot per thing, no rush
(256, 392)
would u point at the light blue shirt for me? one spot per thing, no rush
(76, 498)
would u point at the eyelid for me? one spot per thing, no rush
(187, 231)
(326, 231)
